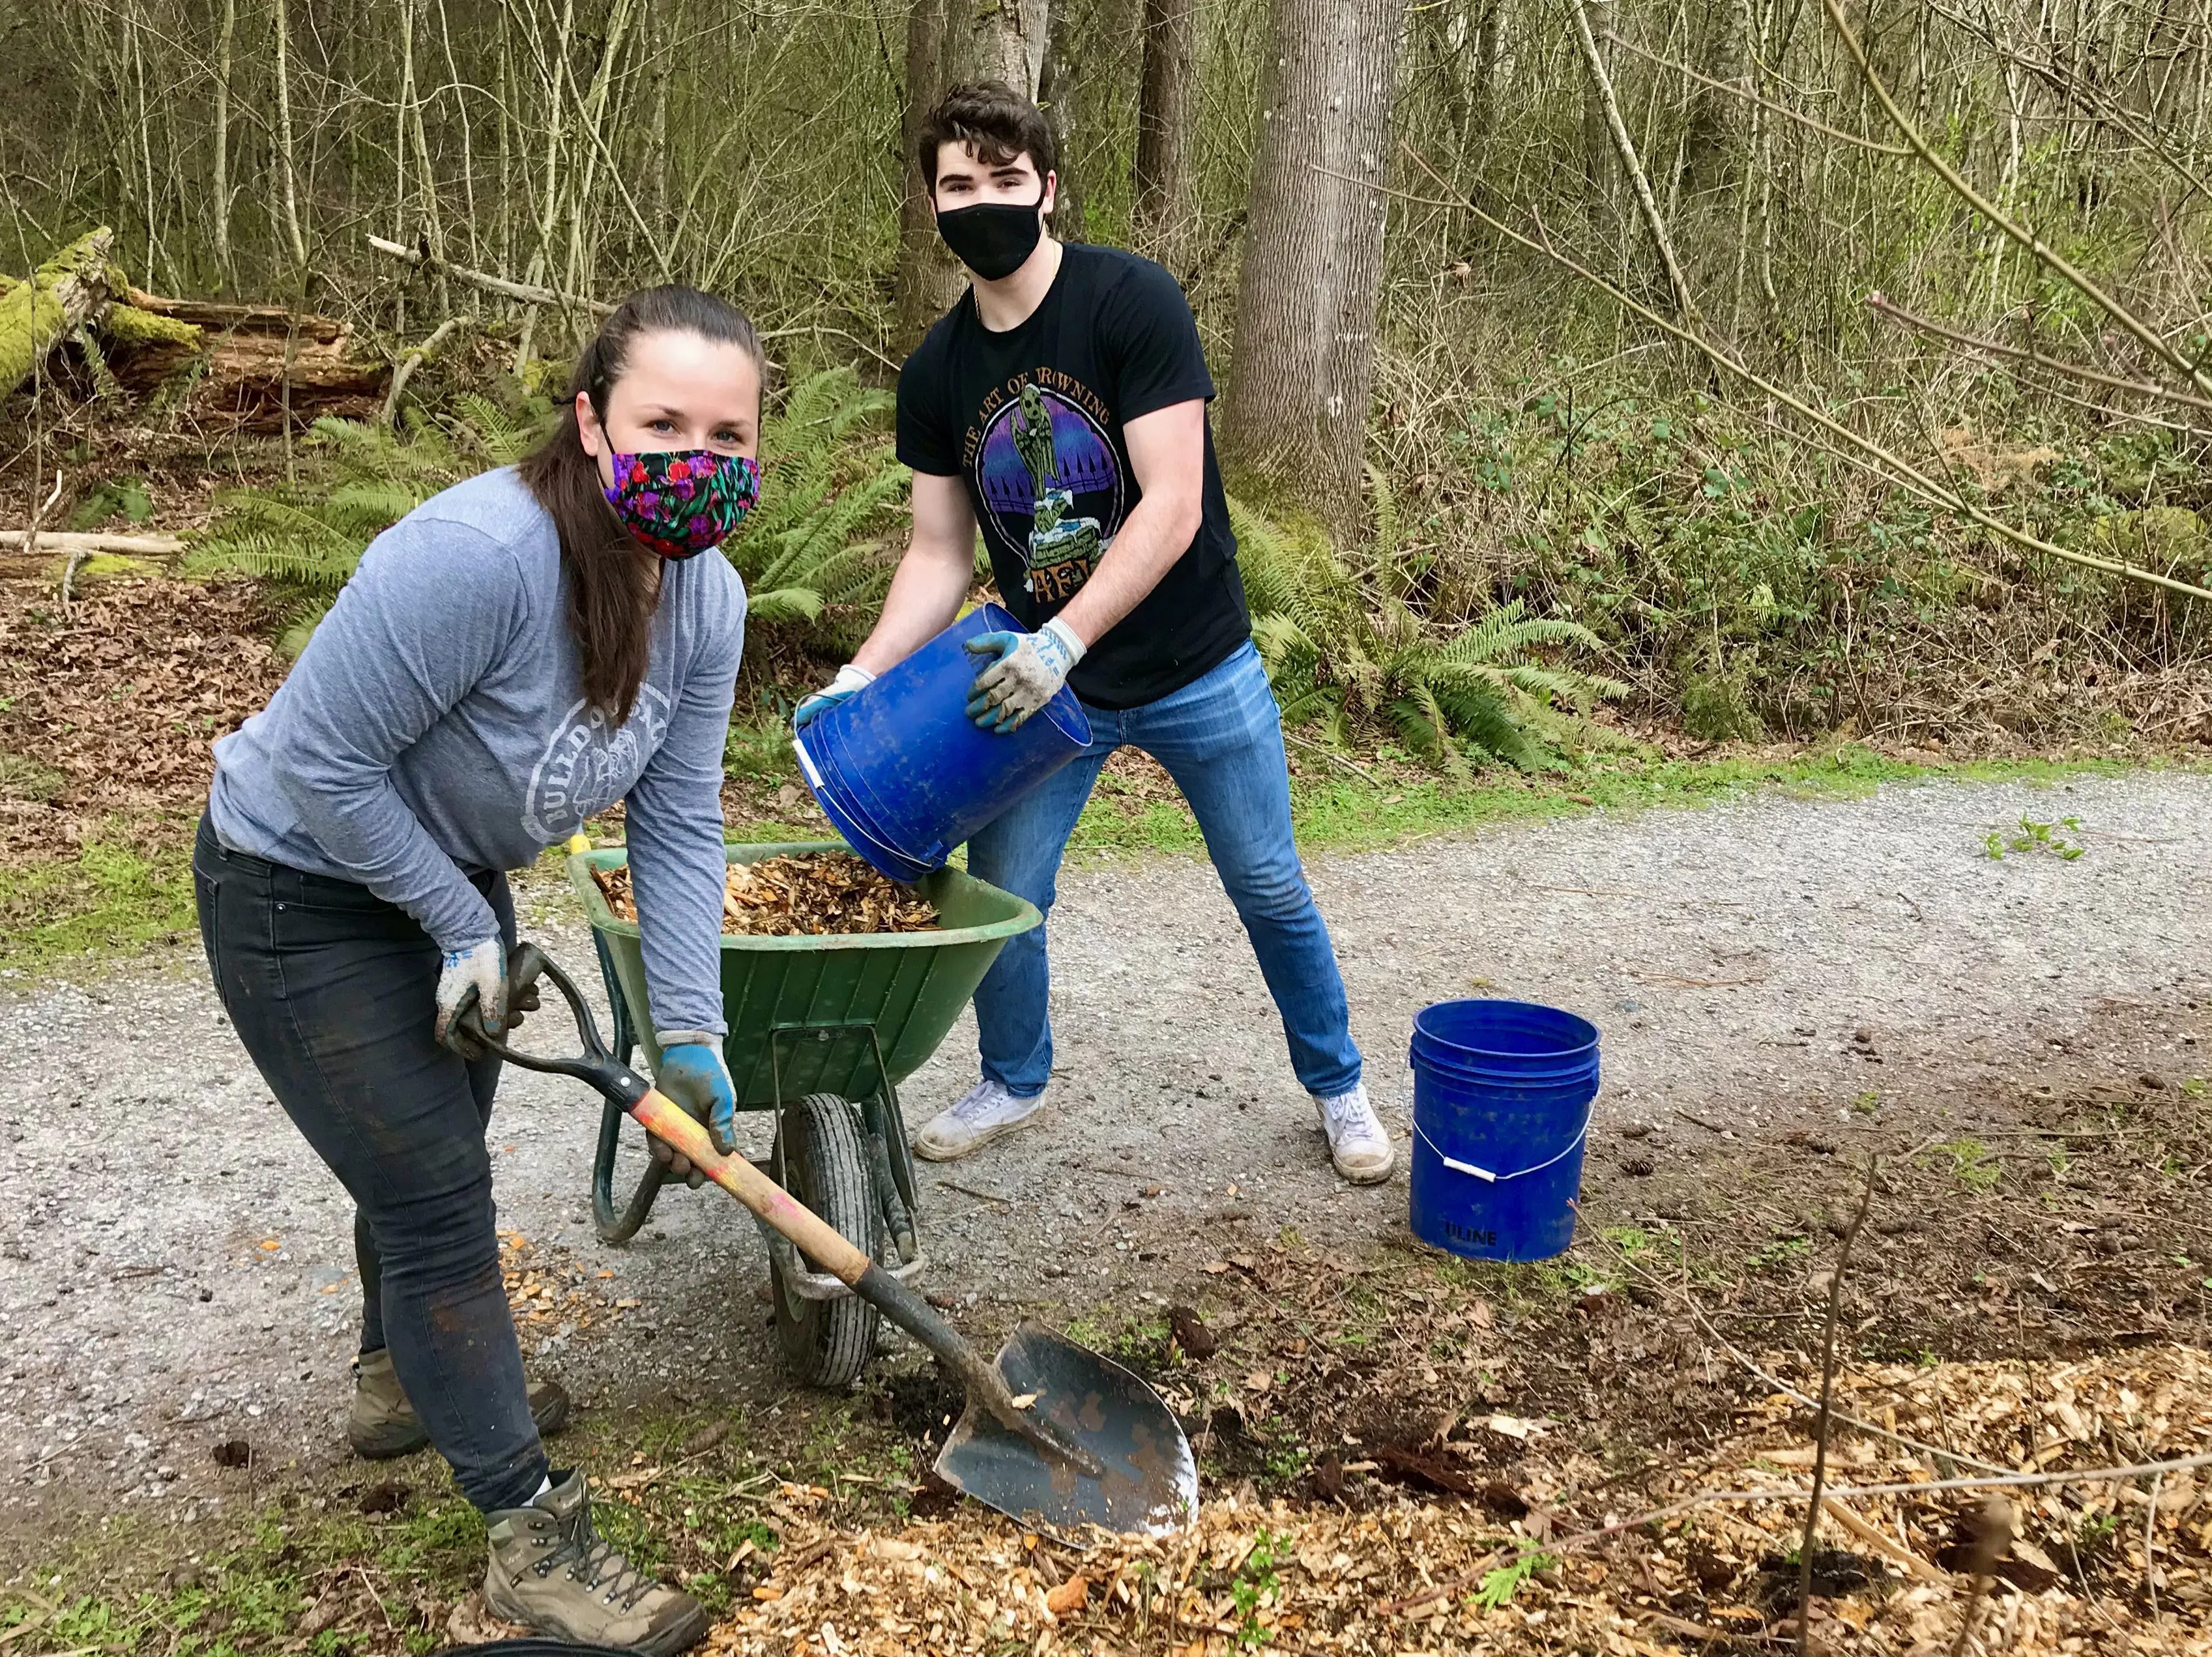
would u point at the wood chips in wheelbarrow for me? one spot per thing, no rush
(816, 893)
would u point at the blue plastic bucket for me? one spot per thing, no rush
(1502, 1093)
(906, 775)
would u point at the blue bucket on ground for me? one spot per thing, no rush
(1502, 1094)
(906, 775)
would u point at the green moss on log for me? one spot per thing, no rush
(131, 329)
(68, 291)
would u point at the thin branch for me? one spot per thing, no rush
(1748, 96)
(1901, 471)
(522, 293)
(1888, 307)
(1626, 148)
(2146, 336)
(414, 359)
(1827, 1398)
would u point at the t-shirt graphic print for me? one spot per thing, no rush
(1032, 420)
(1052, 490)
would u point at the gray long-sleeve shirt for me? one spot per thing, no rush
(435, 727)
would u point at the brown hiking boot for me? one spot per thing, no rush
(551, 1572)
(382, 1423)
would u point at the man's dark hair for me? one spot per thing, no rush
(993, 122)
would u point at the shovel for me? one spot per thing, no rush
(1053, 1435)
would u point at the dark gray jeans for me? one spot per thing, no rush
(334, 991)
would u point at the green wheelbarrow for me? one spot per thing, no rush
(822, 1032)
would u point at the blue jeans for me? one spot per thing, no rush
(1221, 739)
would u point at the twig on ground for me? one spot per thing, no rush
(976, 1192)
(1333, 757)
(1827, 1398)
(1775, 1382)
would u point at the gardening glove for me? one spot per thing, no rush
(849, 679)
(478, 972)
(694, 1075)
(1028, 672)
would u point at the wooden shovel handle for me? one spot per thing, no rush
(668, 1121)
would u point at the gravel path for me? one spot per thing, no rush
(175, 1268)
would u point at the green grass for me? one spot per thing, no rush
(113, 896)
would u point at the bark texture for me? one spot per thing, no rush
(1296, 415)
(947, 42)
(1162, 174)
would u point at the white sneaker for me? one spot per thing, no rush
(1357, 1143)
(977, 1117)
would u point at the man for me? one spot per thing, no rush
(1061, 407)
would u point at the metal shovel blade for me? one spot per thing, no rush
(1150, 1485)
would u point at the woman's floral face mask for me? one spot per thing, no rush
(681, 502)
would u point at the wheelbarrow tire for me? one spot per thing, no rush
(825, 1166)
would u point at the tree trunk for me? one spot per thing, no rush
(1162, 173)
(1059, 94)
(947, 42)
(68, 291)
(1296, 415)
(225, 42)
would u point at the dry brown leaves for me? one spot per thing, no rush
(816, 893)
(113, 708)
(1311, 1577)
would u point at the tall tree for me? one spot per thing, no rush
(947, 42)
(1297, 413)
(1060, 92)
(1162, 173)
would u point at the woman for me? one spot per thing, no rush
(519, 653)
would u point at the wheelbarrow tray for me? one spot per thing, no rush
(908, 987)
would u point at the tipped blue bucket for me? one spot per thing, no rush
(906, 775)
(1502, 1096)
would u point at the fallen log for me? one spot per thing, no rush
(61, 549)
(65, 293)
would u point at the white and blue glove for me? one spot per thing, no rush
(481, 967)
(694, 1073)
(849, 679)
(1028, 672)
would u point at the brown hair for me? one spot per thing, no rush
(613, 581)
(993, 122)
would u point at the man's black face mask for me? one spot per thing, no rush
(993, 239)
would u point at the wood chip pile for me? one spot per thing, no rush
(816, 893)
(2095, 1567)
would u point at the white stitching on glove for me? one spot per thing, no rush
(1028, 672)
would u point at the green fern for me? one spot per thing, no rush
(358, 480)
(832, 491)
(1352, 654)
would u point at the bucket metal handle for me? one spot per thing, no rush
(1490, 1176)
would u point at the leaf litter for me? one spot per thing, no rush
(813, 893)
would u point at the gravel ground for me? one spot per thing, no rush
(176, 1271)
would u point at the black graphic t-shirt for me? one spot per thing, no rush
(1031, 418)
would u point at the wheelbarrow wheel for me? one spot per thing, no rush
(825, 1166)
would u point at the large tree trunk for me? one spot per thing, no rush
(947, 42)
(1059, 93)
(1296, 415)
(1162, 173)
(68, 291)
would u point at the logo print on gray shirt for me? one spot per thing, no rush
(590, 764)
